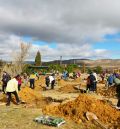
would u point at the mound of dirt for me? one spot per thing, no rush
(29, 95)
(80, 81)
(41, 80)
(76, 110)
(77, 80)
(110, 92)
(62, 82)
(67, 89)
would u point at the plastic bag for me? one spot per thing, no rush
(51, 121)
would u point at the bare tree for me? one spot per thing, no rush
(17, 64)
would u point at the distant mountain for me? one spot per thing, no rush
(105, 63)
(29, 62)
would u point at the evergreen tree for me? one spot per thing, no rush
(38, 59)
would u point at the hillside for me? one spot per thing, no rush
(105, 63)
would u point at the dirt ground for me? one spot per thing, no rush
(65, 101)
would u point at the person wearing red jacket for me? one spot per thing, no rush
(19, 83)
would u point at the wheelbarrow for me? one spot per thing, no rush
(92, 116)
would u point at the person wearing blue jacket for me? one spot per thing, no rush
(110, 80)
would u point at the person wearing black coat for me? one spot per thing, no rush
(5, 78)
(118, 95)
(92, 82)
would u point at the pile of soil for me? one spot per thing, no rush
(110, 92)
(29, 95)
(62, 82)
(80, 81)
(67, 89)
(33, 98)
(42, 80)
(39, 86)
(76, 110)
(77, 80)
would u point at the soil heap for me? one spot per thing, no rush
(77, 80)
(110, 92)
(29, 95)
(76, 110)
(67, 89)
(61, 82)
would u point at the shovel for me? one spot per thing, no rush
(92, 116)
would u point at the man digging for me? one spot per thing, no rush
(12, 88)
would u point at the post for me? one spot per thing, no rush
(60, 60)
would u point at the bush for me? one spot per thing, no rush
(98, 69)
(26, 69)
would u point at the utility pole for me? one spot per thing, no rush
(84, 68)
(74, 61)
(60, 60)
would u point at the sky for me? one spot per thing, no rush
(69, 28)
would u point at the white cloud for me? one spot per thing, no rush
(69, 51)
(72, 24)
(10, 44)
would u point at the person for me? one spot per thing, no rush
(5, 78)
(32, 80)
(37, 75)
(74, 75)
(96, 80)
(25, 79)
(103, 77)
(110, 80)
(19, 83)
(52, 81)
(12, 88)
(67, 75)
(88, 84)
(78, 74)
(92, 82)
(57, 72)
(64, 76)
(47, 81)
(118, 95)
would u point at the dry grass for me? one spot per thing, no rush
(22, 118)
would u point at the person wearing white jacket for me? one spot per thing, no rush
(52, 81)
(12, 88)
(95, 84)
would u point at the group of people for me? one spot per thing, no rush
(66, 75)
(76, 75)
(11, 86)
(6, 78)
(114, 79)
(111, 80)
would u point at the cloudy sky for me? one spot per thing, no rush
(68, 28)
